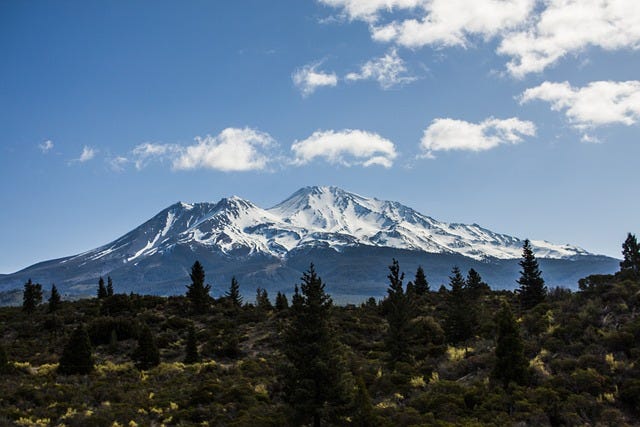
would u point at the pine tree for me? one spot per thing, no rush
(363, 406)
(102, 291)
(4, 359)
(630, 255)
(398, 312)
(458, 319)
(532, 288)
(420, 282)
(77, 356)
(54, 299)
(109, 286)
(233, 294)
(146, 355)
(281, 302)
(191, 350)
(198, 292)
(315, 373)
(475, 286)
(262, 300)
(511, 364)
(32, 296)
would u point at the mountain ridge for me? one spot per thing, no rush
(235, 234)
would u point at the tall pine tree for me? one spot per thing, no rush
(233, 294)
(532, 288)
(315, 374)
(420, 283)
(109, 286)
(146, 355)
(630, 255)
(102, 290)
(262, 300)
(4, 359)
(458, 319)
(198, 292)
(398, 310)
(511, 364)
(77, 356)
(31, 296)
(281, 302)
(54, 299)
(475, 286)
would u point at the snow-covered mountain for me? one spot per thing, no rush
(238, 237)
(314, 217)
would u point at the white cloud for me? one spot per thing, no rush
(599, 103)
(118, 163)
(347, 147)
(389, 70)
(46, 146)
(231, 150)
(567, 26)
(308, 78)
(534, 34)
(368, 10)
(450, 134)
(87, 154)
(451, 22)
(144, 153)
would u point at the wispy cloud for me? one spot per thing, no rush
(46, 146)
(87, 154)
(597, 104)
(449, 134)
(308, 78)
(389, 71)
(347, 147)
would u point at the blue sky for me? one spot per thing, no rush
(519, 115)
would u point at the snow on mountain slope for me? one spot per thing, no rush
(311, 217)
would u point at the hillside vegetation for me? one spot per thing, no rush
(458, 355)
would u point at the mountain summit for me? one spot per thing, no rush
(238, 237)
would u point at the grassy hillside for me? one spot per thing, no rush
(582, 347)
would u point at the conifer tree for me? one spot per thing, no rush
(77, 356)
(474, 284)
(102, 291)
(420, 282)
(398, 312)
(458, 321)
(511, 364)
(191, 350)
(32, 296)
(4, 359)
(109, 286)
(198, 292)
(532, 288)
(146, 355)
(363, 406)
(630, 255)
(315, 373)
(262, 300)
(281, 302)
(54, 299)
(233, 294)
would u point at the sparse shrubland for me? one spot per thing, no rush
(462, 355)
